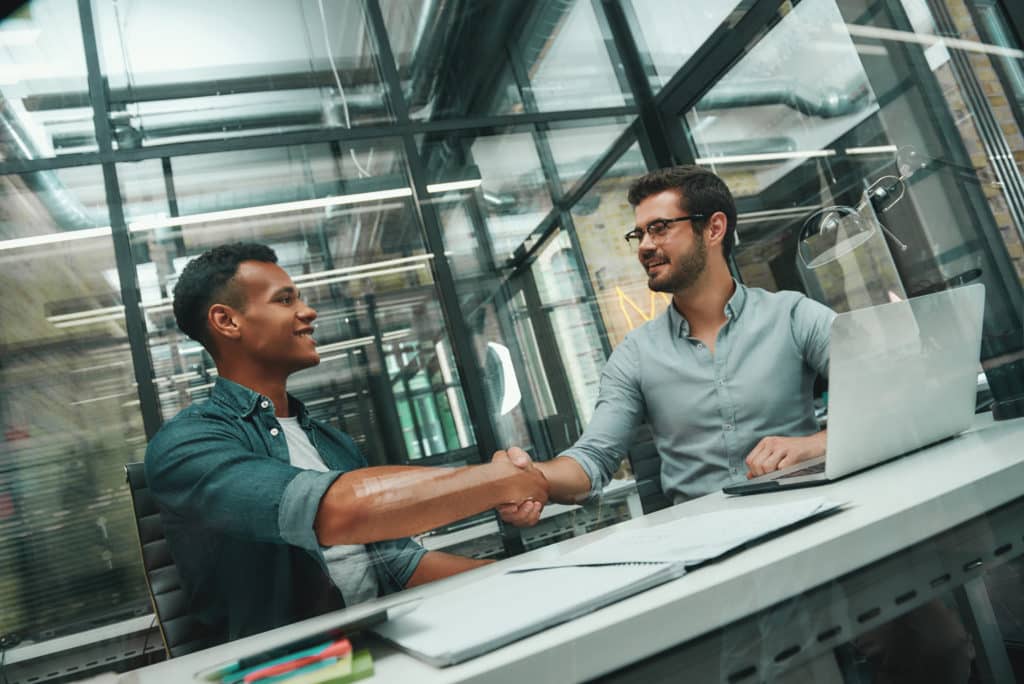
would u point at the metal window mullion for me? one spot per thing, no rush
(135, 323)
(660, 149)
(465, 358)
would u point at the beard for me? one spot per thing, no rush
(685, 272)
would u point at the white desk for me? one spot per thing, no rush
(834, 574)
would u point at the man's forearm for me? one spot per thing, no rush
(567, 480)
(389, 502)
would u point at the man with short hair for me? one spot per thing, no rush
(273, 516)
(725, 379)
(724, 376)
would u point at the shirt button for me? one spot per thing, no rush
(274, 432)
(700, 346)
(264, 404)
(721, 382)
(727, 426)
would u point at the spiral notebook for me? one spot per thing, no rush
(477, 618)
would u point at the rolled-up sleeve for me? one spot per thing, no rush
(619, 410)
(399, 559)
(199, 470)
(811, 323)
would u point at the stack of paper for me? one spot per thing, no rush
(692, 540)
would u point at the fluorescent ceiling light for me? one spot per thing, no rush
(54, 238)
(766, 157)
(265, 209)
(927, 39)
(78, 315)
(368, 273)
(877, 149)
(306, 277)
(90, 320)
(455, 185)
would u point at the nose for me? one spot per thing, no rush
(646, 245)
(307, 314)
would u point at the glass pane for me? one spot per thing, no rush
(602, 217)
(478, 59)
(44, 83)
(668, 33)
(238, 69)
(69, 412)
(570, 61)
(501, 172)
(451, 58)
(575, 147)
(352, 244)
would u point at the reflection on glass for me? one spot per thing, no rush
(577, 333)
(664, 47)
(784, 103)
(601, 217)
(46, 110)
(237, 69)
(69, 413)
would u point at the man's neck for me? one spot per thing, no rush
(262, 382)
(703, 303)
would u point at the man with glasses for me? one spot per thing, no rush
(725, 379)
(724, 376)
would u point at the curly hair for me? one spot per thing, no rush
(702, 192)
(207, 280)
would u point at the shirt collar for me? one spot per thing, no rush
(244, 401)
(733, 308)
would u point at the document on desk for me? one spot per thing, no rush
(474, 619)
(692, 540)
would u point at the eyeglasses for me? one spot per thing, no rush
(657, 228)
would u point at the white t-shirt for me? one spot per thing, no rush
(349, 564)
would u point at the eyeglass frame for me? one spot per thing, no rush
(638, 232)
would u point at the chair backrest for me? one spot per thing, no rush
(646, 464)
(181, 632)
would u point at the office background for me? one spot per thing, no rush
(445, 180)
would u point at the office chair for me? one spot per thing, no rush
(181, 632)
(646, 464)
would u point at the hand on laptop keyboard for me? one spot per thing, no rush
(773, 453)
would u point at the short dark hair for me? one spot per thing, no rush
(206, 280)
(702, 191)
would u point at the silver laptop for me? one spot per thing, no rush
(901, 376)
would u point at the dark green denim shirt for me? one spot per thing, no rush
(239, 517)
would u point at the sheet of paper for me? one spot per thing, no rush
(693, 539)
(479, 617)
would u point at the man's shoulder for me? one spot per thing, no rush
(192, 421)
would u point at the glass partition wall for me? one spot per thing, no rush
(446, 183)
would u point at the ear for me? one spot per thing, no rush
(223, 321)
(716, 228)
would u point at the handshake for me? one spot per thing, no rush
(526, 485)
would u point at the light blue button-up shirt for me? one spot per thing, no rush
(709, 410)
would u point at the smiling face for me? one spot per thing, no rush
(677, 259)
(275, 327)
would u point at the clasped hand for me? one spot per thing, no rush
(526, 512)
